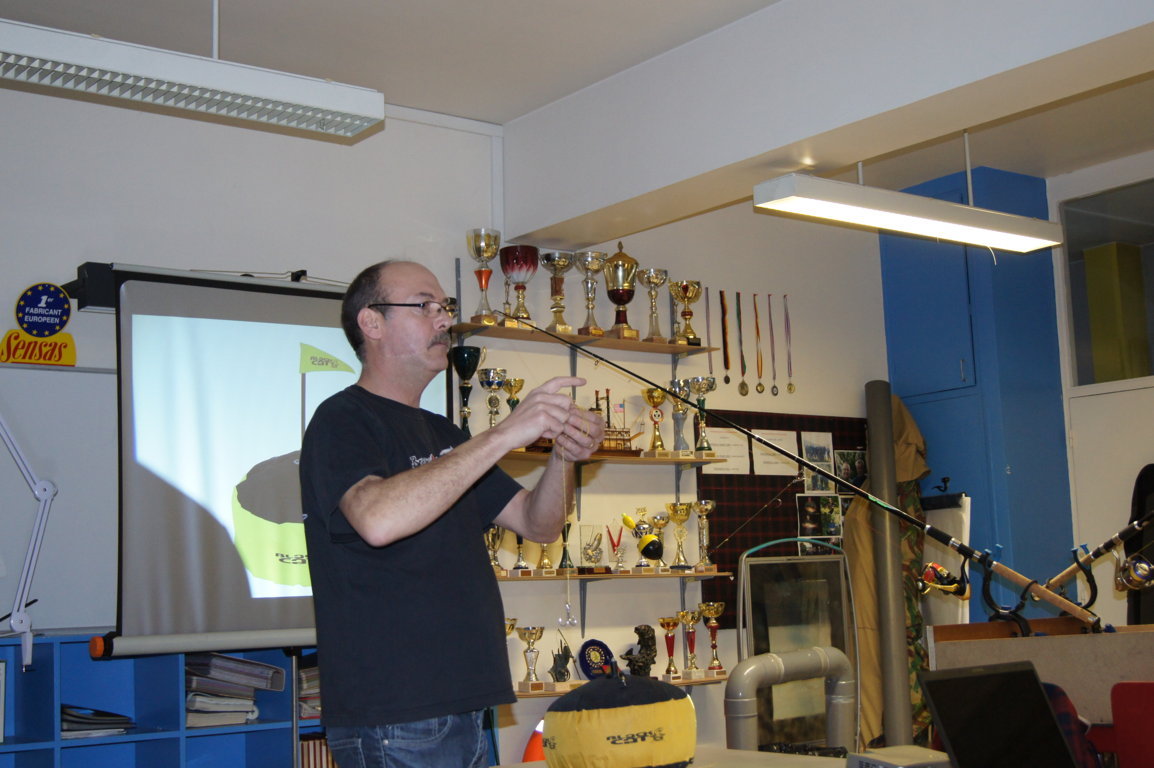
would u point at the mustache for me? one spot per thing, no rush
(441, 338)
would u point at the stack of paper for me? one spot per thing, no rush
(221, 690)
(309, 692)
(83, 722)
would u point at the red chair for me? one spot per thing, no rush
(1131, 704)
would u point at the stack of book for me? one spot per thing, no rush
(83, 722)
(308, 690)
(221, 690)
(315, 752)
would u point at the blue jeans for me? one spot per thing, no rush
(455, 741)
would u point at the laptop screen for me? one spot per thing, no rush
(996, 716)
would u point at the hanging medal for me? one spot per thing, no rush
(773, 390)
(742, 388)
(790, 388)
(757, 336)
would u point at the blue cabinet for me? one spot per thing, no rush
(150, 689)
(973, 352)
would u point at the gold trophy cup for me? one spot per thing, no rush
(679, 514)
(711, 611)
(529, 636)
(483, 247)
(703, 509)
(653, 279)
(654, 397)
(702, 386)
(686, 292)
(689, 620)
(620, 283)
(512, 386)
(557, 264)
(590, 264)
(670, 624)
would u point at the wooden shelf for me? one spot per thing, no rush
(679, 683)
(465, 330)
(687, 575)
(610, 458)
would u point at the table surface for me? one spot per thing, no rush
(719, 757)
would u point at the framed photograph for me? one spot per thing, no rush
(851, 467)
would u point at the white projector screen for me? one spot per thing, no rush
(218, 378)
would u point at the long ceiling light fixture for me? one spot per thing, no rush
(841, 201)
(54, 58)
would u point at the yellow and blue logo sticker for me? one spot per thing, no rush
(42, 312)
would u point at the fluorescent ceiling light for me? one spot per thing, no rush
(88, 64)
(902, 212)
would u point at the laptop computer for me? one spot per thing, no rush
(996, 716)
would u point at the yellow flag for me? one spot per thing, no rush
(313, 359)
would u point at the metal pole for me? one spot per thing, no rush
(897, 713)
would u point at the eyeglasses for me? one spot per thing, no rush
(448, 305)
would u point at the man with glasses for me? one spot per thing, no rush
(410, 625)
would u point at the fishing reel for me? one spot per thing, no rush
(1133, 573)
(936, 576)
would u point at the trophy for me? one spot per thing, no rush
(620, 273)
(590, 263)
(544, 563)
(465, 361)
(686, 292)
(703, 509)
(669, 624)
(492, 379)
(648, 544)
(566, 563)
(701, 386)
(557, 264)
(519, 263)
(711, 611)
(681, 447)
(521, 566)
(529, 636)
(483, 246)
(653, 279)
(655, 397)
(679, 514)
(659, 520)
(510, 625)
(689, 619)
(591, 551)
(512, 387)
(618, 550)
(493, 536)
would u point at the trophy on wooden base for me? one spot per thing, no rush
(711, 611)
(689, 620)
(492, 379)
(655, 397)
(681, 447)
(493, 536)
(670, 625)
(653, 279)
(686, 292)
(679, 514)
(590, 263)
(620, 283)
(529, 636)
(701, 386)
(558, 264)
(519, 263)
(703, 508)
(483, 246)
(465, 363)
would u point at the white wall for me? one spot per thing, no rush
(1108, 442)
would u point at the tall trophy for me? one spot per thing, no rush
(483, 246)
(493, 536)
(702, 386)
(465, 361)
(590, 263)
(659, 520)
(557, 264)
(670, 624)
(703, 509)
(529, 636)
(681, 447)
(686, 292)
(679, 514)
(492, 379)
(566, 563)
(711, 611)
(519, 263)
(689, 620)
(655, 397)
(653, 279)
(620, 280)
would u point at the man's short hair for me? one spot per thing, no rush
(365, 289)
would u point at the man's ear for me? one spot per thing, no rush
(370, 323)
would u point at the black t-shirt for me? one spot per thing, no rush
(414, 629)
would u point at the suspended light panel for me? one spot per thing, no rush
(885, 209)
(87, 64)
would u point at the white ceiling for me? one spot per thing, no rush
(494, 60)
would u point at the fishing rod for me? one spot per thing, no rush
(1135, 573)
(985, 559)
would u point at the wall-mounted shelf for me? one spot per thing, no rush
(465, 330)
(679, 683)
(615, 458)
(587, 577)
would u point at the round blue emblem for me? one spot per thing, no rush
(43, 310)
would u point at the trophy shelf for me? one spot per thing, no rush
(688, 575)
(679, 683)
(540, 457)
(465, 330)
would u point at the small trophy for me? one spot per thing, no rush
(679, 514)
(521, 567)
(544, 563)
(703, 509)
(591, 551)
(659, 520)
(529, 636)
(711, 611)
(618, 550)
(655, 397)
(493, 536)
(510, 625)
(681, 447)
(648, 544)
(689, 620)
(686, 292)
(492, 379)
(620, 274)
(701, 386)
(670, 624)
(566, 564)
(483, 246)
(590, 263)
(519, 263)
(513, 386)
(465, 363)
(557, 264)
(653, 279)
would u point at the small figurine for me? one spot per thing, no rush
(560, 669)
(641, 660)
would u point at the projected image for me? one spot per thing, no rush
(240, 395)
